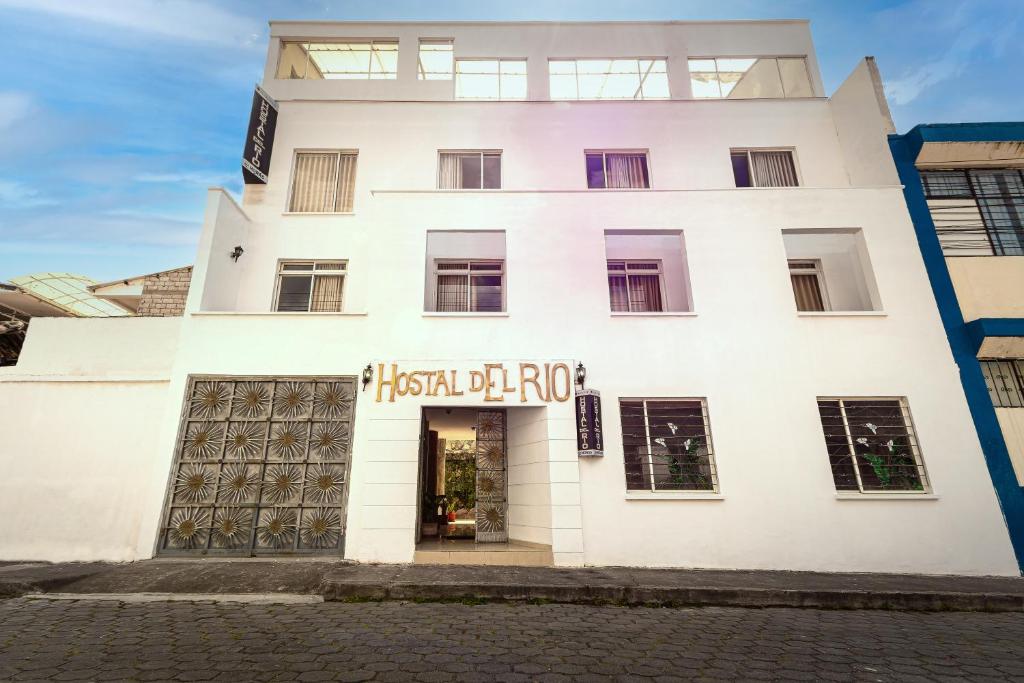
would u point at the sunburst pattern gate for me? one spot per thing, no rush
(260, 467)
(491, 470)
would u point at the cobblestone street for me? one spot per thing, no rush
(101, 640)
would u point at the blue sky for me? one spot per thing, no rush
(116, 115)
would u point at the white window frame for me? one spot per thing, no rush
(499, 60)
(576, 72)
(715, 58)
(750, 164)
(420, 71)
(369, 74)
(818, 272)
(604, 168)
(313, 272)
(481, 152)
(660, 272)
(469, 272)
(338, 153)
(908, 424)
(712, 465)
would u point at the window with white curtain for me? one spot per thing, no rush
(310, 286)
(763, 168)
(469, 170)
(435, 60)
(323, 182)
(750, 77)
(636, 286)
(608, 79)
(344, 60)
(490, 79)
(808, 285)
(617, 170)
(469, 286)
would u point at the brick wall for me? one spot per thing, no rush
(163, 294)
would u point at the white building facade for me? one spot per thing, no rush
(459, 215)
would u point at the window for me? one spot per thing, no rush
(830, 270)
(469, 286)
(608, 79)
(666, 445)
(958, 199)
(313, 286)
(490, 79)
(763, 168)
(1005, 381)
(617, 170)
(750, 77)
(435, 60)
(808, 285)
(871, 444)
(323, 182)
(354, 60)
(469, 170)
(635, 286)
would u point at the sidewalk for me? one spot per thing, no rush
(340, 581)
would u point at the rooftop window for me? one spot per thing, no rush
(608, 79)
(435, 60)
(490, 79)
(355, 60)
(750, 78)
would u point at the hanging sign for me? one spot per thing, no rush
(259, 140)
(589, 434)
(498, 382)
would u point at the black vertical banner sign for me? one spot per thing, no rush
(589, 433)
(259, 139)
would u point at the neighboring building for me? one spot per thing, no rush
(964, 185)
(154, 295)
(382, 343)
(45, 295)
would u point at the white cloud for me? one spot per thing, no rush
(15, 195)
(14, 107)
(183, 20)
(189, 178)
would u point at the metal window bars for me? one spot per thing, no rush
(977, 212)
(1004, 378)
(667, 445)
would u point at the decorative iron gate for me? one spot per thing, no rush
(491, 484)
(260, 467)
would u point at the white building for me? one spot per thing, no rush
(472, 210)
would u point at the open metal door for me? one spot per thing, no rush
(491, 480)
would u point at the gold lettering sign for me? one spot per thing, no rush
(493, 382)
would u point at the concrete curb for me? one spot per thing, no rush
(661, 596)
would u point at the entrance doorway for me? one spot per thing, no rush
(464, 510)
(462, 482)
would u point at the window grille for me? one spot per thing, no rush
(750, 77)
(490, 79)
(666, 445)
(871, 445)
(617, 170)
(977, 211)
(808, 285)
(310, 286)
(608, 79)
(469, 286)
(635, 286)
(469, 170)
(352, 60)
(1005, 381)
(435, 62)
(323, 182)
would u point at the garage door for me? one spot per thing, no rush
(260, 467)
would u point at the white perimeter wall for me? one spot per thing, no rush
(81, 414)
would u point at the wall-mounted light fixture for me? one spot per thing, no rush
(581, 375)
(236, 252)
(367, 375)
